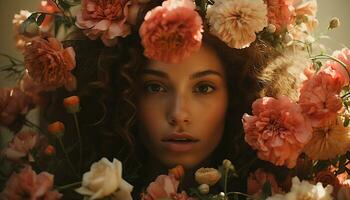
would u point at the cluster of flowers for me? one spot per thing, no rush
(296, 134)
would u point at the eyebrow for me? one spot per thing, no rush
(193, 76)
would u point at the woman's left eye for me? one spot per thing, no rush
(204, 89)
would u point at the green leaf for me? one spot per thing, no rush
(40, 19)
(346, 121)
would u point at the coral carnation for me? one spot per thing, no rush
(171, 32)
(280, 13)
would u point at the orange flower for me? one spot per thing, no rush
(72, 104)
(177, 172)
(50, 150)
(56, 128)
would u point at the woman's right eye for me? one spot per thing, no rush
(154, 88)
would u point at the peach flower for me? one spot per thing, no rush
(104, 19)
(21, 145)
(257, 180)
(280, 13)
(164, 187)
(277, 130)
(49, 64)
(344, 56)
(14, 104)
(209, 176)
(171, 32)
(328, 142)
(319, 96)
(28, 185)
(236, 22)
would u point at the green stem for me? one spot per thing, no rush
(226, 175)
(67, 157)
(79, 139)
(60, 188)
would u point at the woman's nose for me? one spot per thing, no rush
(179, 111)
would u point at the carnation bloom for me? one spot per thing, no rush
(319, 96)
(257, 180)
(28, 185)
(104, 19)
(13, 104)
(280, 13)
(171, 32)
(21, 145)
(328, 142)
(164, 187)
(49, 64)
(236, 21)
(277, 130)
(305, 191)
(343, 56)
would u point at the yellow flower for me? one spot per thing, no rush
(208, 176)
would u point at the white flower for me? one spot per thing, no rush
(236, 21)
(305, 191)
(104, 179)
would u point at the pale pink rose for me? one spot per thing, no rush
(171, 32)
(277, 130)
(49, 64)
(14, 104)
(20, 146)
(236, 22)
(164, 187)
(280, 13)
(28, 185)
(104, 19)
(257, 180)
(319, 96)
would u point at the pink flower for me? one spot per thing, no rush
(49, 64)
(277, 130)
(164, 187)
(305, 7)
(21, 145)
(319, 96)
(104, 19)
(32, 89)
(257, 180)
(13, 105)
(280, 13)
(171, 32)
(28, 185)
(343, 56)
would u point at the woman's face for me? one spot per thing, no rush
(181, 108)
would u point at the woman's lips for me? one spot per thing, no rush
(179, 142)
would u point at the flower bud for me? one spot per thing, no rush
(177, 172)
(208, 176)
(288, 38)
(50, 150)
(334, 23)
(271, 28)
(227, 164)
(203, 188)
(72, 104)
(56, 129)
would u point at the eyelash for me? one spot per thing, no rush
(154, 88)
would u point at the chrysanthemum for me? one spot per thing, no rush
(237, 21)
(328, 142)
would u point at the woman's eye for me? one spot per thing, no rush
(204, 89)
(154, 88)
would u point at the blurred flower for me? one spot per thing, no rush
(56, 128)
(334, 23)
(328, 142)
(72, 104)
(177, 172)
(203, 188)
(103, 179)
(164, 187)
(28, 185)
(48, 6)
(327, 177)
(343, 56)
(277, 130)
(50, 150)
(14, 104)
(258, 179)
(20, 146)
(208, 176)
(19, 29)
(49, 64)
(319, 96)
(32, 89)
(104, 19)
(344, 191)
(305, 190)
(280, 13)
(237, 21)
(171, 32)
